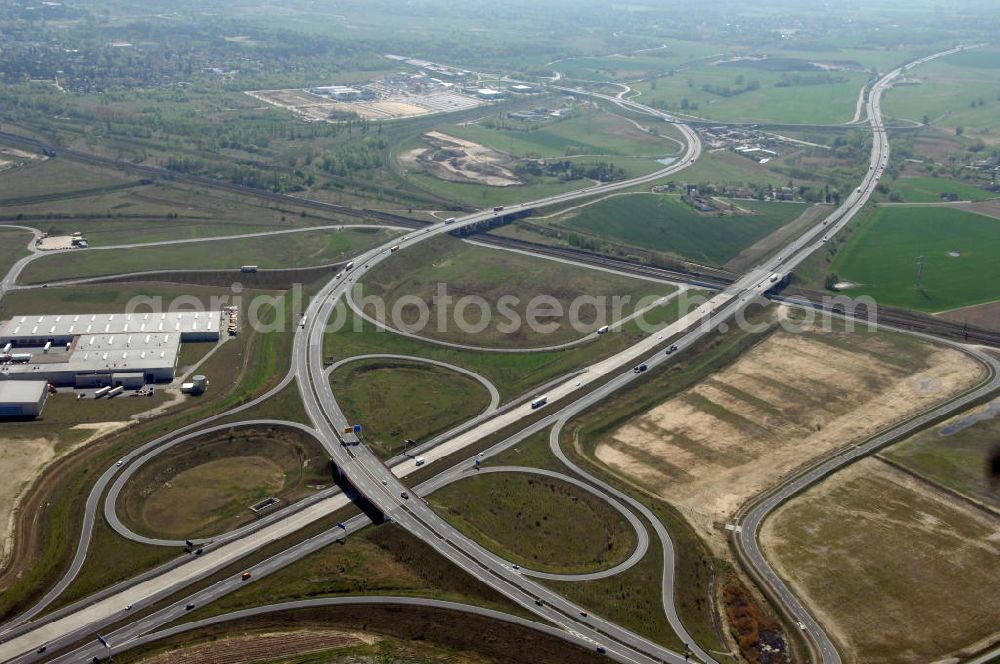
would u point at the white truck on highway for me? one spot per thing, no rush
(774, 278)
(539, 402)
(603, 329)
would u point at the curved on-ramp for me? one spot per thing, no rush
(642, 538)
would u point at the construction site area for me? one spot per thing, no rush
(400, 95)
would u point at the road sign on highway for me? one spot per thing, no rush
(357, 428)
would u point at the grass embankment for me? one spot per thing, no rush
(379, 560)
(529, 302)
(48, 524)
(958, 251)
(957, 454)
(13, 243)
(512, 373)
(278, 251)
(405, 635)
(205, 486)
(396, 399)
(539, 522)
(661, 222)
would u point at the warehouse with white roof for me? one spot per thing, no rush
(22, 398)
(89, 350)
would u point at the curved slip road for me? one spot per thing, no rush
(10, 281)
(482, 380)
(111, 498)
(660, 301)
(363, 468)
(642, 538)
(747, 539)
(93, 500)
(69, 623)
(371, 600)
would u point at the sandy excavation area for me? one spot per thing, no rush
(789, 400)
(459, 160)
(21, 461)
(918, 558)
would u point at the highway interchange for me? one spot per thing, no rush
(383, 488)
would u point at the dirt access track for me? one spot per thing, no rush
(459, 160)
(895, 569)
(793, 398)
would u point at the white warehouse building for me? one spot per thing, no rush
(90, 350)
(22, 398)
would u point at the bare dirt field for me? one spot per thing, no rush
(989, 208)
(790, 400)
(56, 242)
(979, 315)
(263, 647)
(895, 569)
(459, 160)
(21, 461)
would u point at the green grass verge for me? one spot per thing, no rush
(956, 453)
(206, 486)
(12, 247)
(379, 560)
(279, 251)
(539, 522)
(512, 373)
(465, 271)
(397, 399)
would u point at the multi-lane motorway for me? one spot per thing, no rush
(382, 488)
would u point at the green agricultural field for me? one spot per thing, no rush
(929, 190)
(396, 400)
(948, 92)
(663, 223)
(957, 453)
(729, 168)
(538, 522)
(882, 258)
(279, 251)
(807, 103)
(13, 243)
(508, 282)
(590, 131)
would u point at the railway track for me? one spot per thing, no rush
(701, 276)
(172, 176)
